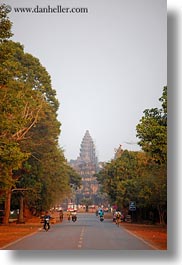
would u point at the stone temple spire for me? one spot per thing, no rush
(87, 149)
(86, 165)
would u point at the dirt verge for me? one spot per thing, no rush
(12, 232)
(155, 235)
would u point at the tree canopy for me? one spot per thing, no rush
(5, 24)
(29, 130)
(141, 176)
(152, 130)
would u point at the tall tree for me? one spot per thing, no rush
(152, 131)
(20, 109)
(141, 176)
(26, 97)
(135, 176)
(30, 155)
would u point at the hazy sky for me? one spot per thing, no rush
(107, 65)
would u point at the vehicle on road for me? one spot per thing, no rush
(73, 216)
(118, 215)
(102, 218)
(118, 221)
(46, 220)
(101, 215)
(46, 224)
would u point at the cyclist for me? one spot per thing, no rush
(118, 217)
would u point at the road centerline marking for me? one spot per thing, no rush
(80, 241)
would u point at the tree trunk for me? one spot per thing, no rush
(21, 217)
(7, 207)
(161, 212)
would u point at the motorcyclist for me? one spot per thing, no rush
(101, 214)
(46, 219)
(73, 215)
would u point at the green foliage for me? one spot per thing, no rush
(30, 157)
(20, 109)
(119, 178)
(5, 24)
(74, 177)
(152, 131)
(141, 176)
(135, 176)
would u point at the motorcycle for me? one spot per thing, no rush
(46, 224)
(101, 218)
(74, 218)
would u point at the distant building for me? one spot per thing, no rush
(87, 165)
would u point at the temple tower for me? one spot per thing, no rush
(87, 165)
(87, 149)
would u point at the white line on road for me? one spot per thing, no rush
(81, 238)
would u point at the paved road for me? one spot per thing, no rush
(87, 233)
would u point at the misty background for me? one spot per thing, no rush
(107, 66)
